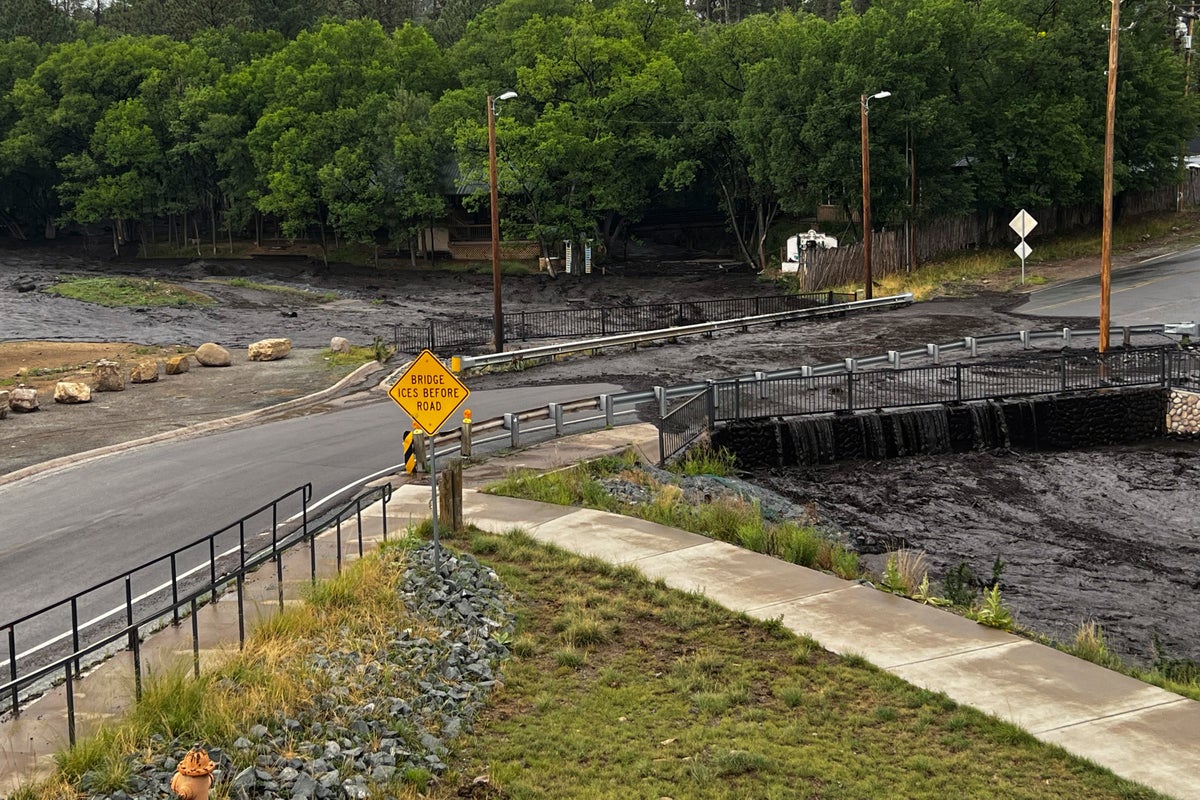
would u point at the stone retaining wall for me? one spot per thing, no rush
(1060, 422)
(1183, 414)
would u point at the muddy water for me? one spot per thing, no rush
(1106, 536)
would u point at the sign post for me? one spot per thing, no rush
(1023, 224)
(429, 393)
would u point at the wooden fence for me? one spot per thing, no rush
(936, 238)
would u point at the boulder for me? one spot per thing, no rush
(212, 355)
(144, 371)
(339, 344)
(24, 284)
(270, 349)
(71, 392)
(23, 398)
(177, 365)
(3, 403)
(107, 376)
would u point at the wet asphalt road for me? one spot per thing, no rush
(1161, 289)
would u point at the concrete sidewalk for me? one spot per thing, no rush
(1136, 730)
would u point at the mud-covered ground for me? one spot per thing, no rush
(1105, 536)
(1108, 536)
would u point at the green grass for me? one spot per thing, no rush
(728, 519)
(617, 687)
(728, 707)
(126, 291)
(290, 292)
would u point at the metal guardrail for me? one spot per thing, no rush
(600, 321)
(225, 560)
(546, 351)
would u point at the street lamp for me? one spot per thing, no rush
(497, 313)
(864, 105)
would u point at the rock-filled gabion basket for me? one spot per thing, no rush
(409, 704)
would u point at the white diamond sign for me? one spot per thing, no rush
(1023, 250)
(1023, 224)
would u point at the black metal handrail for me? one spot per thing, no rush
(600, 321)
(747, 399)
(145, 611)
(852, 390)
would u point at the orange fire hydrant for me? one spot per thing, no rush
(194, 775)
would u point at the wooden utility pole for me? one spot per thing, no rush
(1110, 120)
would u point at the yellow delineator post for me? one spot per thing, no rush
(410, 452)
(429, 393)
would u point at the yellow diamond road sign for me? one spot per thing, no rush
(428, 392)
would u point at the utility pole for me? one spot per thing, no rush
(1187, 86)
(1110, 120)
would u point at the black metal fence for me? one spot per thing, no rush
(601, 321)
(172, 587)
(757, 398)
(683, 425)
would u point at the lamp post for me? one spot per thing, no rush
(497, 312)
(864, 107)
(1110, 117)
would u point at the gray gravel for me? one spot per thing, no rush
(343, 748)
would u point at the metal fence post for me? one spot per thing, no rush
(958, 383)
(849, 391)
(711, 403)
(12, 670)
(431, 335)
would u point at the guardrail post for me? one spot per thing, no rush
(1066, 337)
(934, 351)
(420, 452)
(464, 439)
(660, 394)
(760, 378)
(1024, 337)
(606, 404)
(1126, 336)
(556, 414)
(806, 371)
(972, 346)
(851, 364)
(513, 423)
(894, 358)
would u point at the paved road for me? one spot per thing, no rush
(1161, 289)
(67, 530)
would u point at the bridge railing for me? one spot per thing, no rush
(63, 639)
(755, 398)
